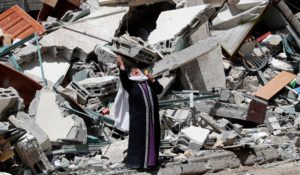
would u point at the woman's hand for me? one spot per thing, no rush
(150, 78)
(120, 62)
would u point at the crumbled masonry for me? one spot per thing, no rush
(230, 72)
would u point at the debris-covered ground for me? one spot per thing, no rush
(230, 72)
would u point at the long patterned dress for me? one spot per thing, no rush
(144, 124)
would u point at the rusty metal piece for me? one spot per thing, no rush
(256, 112)
(25, 86)
(16, 22)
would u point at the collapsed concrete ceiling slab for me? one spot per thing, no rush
(97, 28)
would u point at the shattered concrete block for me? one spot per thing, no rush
(179, 22)
(78, 132)
(273, 124)
(166, 83)
(100, 86)
(206, 54)
(105, 55)
(209, 161)
(225, 95)
(3, 127)
(88, 33)
(10, 102)
(24, 121)
(198, 74)
(225, 110)
(33, 156)
(175, 60)
(197, 134)
(178, 115)
(169, 46)
(235, 78)
(297, 142)
(134, 48)
(65, 126)
(82, 93)
(194, 146)
(258, 155)
(229, 138)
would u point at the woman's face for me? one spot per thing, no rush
(135, 72)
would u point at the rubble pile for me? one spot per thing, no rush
(230, 72)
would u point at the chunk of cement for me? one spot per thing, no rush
(134, 48)
(176, 22)
(10, 102)
(24, 121)
(54, 67)
(238, 22)
(229, 138)
(115, 151)
(166, 82)
(207, 161)
(50, 118)
(97, 28)
(33, 156)
(203, 62)
(225, 110)
(197, 134)
(178, 59)
(100, 86)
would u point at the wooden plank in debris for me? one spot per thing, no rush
(16, 22)
(275, 85)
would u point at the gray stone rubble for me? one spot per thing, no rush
(211, 68)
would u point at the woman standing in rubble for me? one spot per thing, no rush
(144, 124)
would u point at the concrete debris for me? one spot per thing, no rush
(33, 156)
(134, 48)
(100, 86)
(10, 102)
(86, 34)
(24, 121)
(229, 69)
(196, 134)
(66, 127)
(174, 23)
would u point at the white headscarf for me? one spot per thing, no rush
(141, 78)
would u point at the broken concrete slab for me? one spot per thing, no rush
(54, 68)
(115, 151)
(96, 28)
(134, 48)
(10, 102)
(166, 82)
(196, 134)
(24, 121)
(261, 155)
(179, 22)
(65, 127)
(33, 156)
(100, 86)
(240, 23)
(204, 54)
(205, 162)
(175, 60)
(225, 110)
(229, 138)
